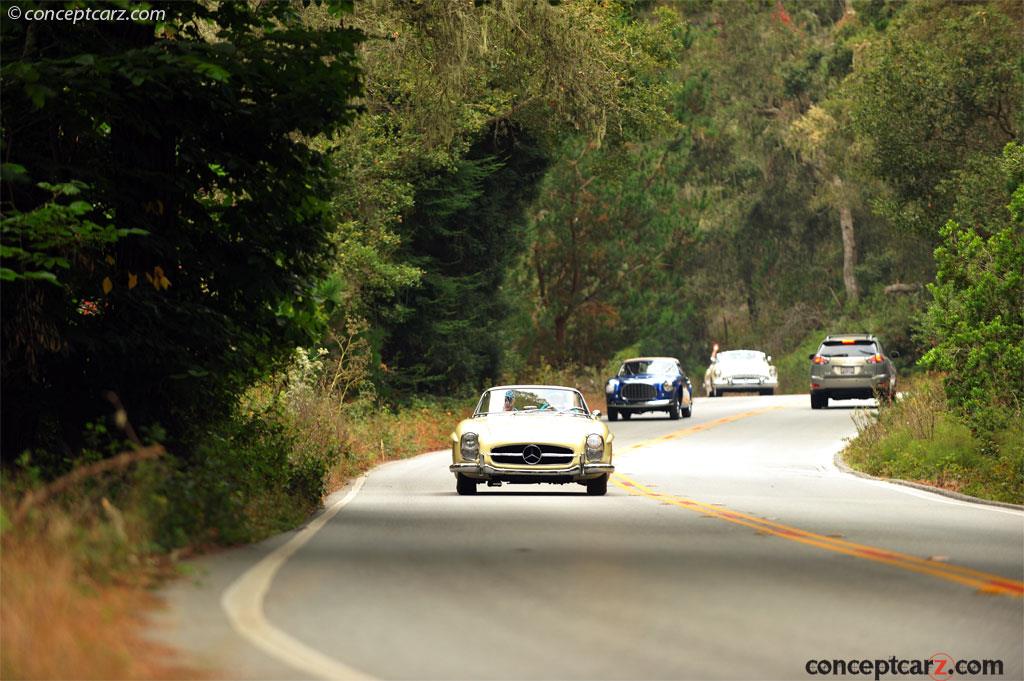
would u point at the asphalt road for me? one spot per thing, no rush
(728, 546)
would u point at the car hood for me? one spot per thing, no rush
(644, 378)
(742, 368)
(525, 427)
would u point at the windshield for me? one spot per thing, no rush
(526, 399)
(855, 349)
(647, 366)
(741, 356)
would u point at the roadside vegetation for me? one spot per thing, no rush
(273, 244)
(921, 440)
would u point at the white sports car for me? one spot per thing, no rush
(740, 371)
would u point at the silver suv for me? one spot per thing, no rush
(851, 366)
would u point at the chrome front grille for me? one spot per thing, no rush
(517, 459)
(514, 454)
(639, 391)
(518, 449)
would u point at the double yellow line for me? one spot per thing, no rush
(690, 430)
(982, 581)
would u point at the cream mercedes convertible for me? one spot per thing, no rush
(525, 434)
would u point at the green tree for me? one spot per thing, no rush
(975, 323)
(940, 90)
(189, 258)
(466, 106)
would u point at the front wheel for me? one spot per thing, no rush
(464, 485)
(598, 487)
(688, 411)
(625, 415)
(673, 411)
(613, 414)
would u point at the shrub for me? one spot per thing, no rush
(975, 322)
(248, 479)
(921, 438)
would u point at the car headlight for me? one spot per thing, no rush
(595, 447)
(610, 386)
(469, 446)
(666, 387)
(718, 373)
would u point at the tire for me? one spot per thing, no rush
(769, 391)
(464, 485)
(673, 411)
(597, 487)
(613, 414)
(625, 415)
(688, 412)
(818, 401)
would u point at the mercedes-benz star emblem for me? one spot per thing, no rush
(531, 454)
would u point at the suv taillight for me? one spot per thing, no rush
(875, 359)
(818, 359)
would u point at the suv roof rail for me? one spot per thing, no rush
(857, 333)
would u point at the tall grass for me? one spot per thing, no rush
(76, 568)
(920, 439)
(75, 573)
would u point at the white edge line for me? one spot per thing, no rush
(906, 489)
(934, 496)
(243, 604)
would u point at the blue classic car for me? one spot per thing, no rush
(649, 384)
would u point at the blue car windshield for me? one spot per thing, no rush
(638, 367)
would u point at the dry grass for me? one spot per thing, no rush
(367, 437)
(75, 574)
(57, 622)
(921, 439)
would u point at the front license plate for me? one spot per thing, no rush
(847, 371)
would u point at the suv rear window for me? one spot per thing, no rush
(858, 348)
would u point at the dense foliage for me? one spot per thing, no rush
(976, 319)
(435, 195)
(165, 225)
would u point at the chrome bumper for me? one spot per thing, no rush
(575, 472)
(727, 384)
(649, 404)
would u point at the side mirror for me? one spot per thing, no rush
(769, 360)
(596, 414)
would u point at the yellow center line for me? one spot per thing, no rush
(984, 581)
(690, 430)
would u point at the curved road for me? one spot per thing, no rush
(728, 546)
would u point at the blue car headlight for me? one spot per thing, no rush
(611, 386)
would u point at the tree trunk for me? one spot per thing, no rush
(849, 245)
(561, 321)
